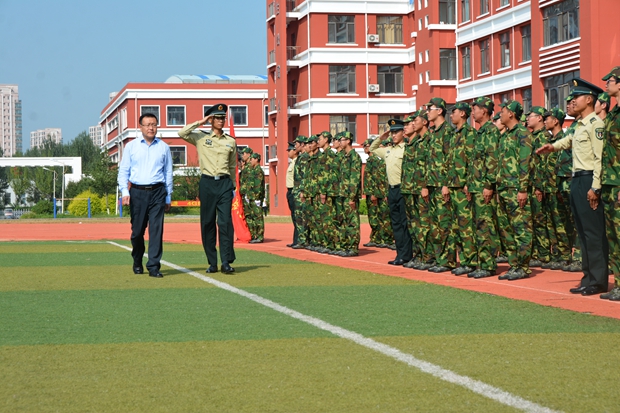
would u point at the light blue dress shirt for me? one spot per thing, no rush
(144, 164)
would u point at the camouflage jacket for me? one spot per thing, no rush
(252, 186)
(459, 156)
(299, 174)
(610, 174)
(408, 166)
(375, 177)
(309, 185)
(550, 184)
(483, 166)
(351, 175)
(539, 163)
(418, 177)
(514, 159)
(327, 181)
(342, 189)
(564, 164)
(438, 148)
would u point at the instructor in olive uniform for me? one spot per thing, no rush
(217, 154)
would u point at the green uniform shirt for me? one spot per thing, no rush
(253, 184)
(438, 149)
(375, 177)
(564, 165)
(550, 183)
(540, 137)
(482, 169)
(514, 159)
(327, 181)
(299, 172)
(351, 175)
(459, 155)
(610, 174)
(408, 166)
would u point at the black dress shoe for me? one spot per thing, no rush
(138, 269)
(227, 269)
(397, 261)
(594, 289)
(212, 269)
(290, 245)
(577, 290)
(156, 274)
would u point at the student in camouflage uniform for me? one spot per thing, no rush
(555, 210)
(610, 177)
(329, 189)
(435, 190)
(407, 186)
(245, 157)
(252, 191)
(309, 191)
(481, 188)
(602, 106)
(503, 255)
(351, 176)
(301, 166)
(513, 188)
(375, 189)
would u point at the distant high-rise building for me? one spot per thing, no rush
(11, 125)
(96, 135)
(39, 137)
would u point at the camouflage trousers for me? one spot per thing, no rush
(609, 197)
(423, 228)
(486, 236)
(462, 233)
(515, 227)
(350, 234)
(379, 220)
(312, 219)
(339, 202)
(558, 237)
(444, 251)
(541, 248)
(254, 218)
(567, 216)
(413, 219)
(327, 234)
(301, 220)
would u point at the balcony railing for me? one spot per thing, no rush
(272, 105)
(290, 5)
(291, 52)
(292, 100)
(272, 57)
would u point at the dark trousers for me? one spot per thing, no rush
(398, 216)
(147, 208)
(290, 199)
(216, 204)
(590, 225)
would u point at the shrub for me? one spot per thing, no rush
(28, 215)
(43, 207)
(363, 207)
(79, 206)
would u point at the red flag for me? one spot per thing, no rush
(242, 231)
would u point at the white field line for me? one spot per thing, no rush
(476, 386)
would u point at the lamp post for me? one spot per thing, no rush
(51, 170)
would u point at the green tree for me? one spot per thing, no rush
(83, 147)
(74, 188)
(186, 186)
(104, 174)
(21, 184)
(4, 181)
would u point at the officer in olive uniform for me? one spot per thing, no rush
(588, 209)
(217, 154)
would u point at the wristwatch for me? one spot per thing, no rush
(597, 192)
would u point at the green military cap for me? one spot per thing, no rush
(603, 97)
(396, 125)
(583, 87)
(464, 106)
(411, 117)
(327, 135)
(439, 102)
(569, 98)
(496, 117)
(217, 110)
(301, 139)
(537, 110)
(247, 149)
(291, 146)
(255, 155)
(484, 102)
(345, 135)
(368, 142)
(312, 138)
(556, 113)
(422, 114)
(513, 106)
(615, 72)
(387, 142)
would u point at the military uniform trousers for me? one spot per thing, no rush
(590, 225)
(540, 241)
(612, 223)
(300, 220)
(566, 213)
(147, 208)
(216, 204)
(327, 234)
(423, 228)
(290, 199)
(486, 237)
(412, 222)
(254, 218)
(515, 227)
(463, 233)
(398, 217)
(379, 220)
(350, 238)
(558, 237)
(441, 232)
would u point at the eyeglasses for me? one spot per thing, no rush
(434, 108)
(150, 125)
(611, 80)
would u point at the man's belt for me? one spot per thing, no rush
(216, 178)
(147, 187)
(582, 173)
(394, 186)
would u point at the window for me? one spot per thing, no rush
(485, 65)
(176, 115)
(342, 79)
(426, 21)
(504, 97)
(428, 76)
(557, 89)
(239, 115)
(464, 10)
(447, 14)
(484, 6)
(266, 155)
(561, 22)
(154, 110)
(527, 100)
(390, 29)
(383, 122)
(421, 79)
(503, 3)
(178, 155)
(341, 29)
(341, 123)
(266, 115)
(390, 79)
(504, 44)
(426, 55)
(419, 24)
(526, 43)
(447, 64)
(420, 58)
(466, 62)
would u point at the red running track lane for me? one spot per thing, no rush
(545, 287)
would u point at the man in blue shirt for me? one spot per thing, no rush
(145, 180)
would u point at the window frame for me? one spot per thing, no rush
(156, 114)
(397, 81)
(449, 12)
(485, 56)
(168, 123)
(232, 115)
(560, 86)
(397, 22)
(561, 13)
(484, 7)
(345, 120)
(465, 11)
(447, 64)
(333, 32)
(504, 50)
(526, 43)
(466, 62)
(335, 76)
(172, 151)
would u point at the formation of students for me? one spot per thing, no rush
(453, 198)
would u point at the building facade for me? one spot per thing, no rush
(40, 136)
(11, 127)
(96, 135)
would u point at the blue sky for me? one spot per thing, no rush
(68, 55)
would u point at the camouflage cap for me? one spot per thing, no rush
(326, 134)
(301, 139)
(496, 117)
(464, 106)
(556, 113)
(583, 87)
(615, 72)
(255, 155)
(604, 98)
(345, 135)
(513, 106)
(439, 102)
(537, 110)
(422, 114)
(368, 142)
(291, 146)
(247, 149)
(312, 138)
(569, 98)
(387, 142)
(396, 125)
(411, 117)
(484, 102)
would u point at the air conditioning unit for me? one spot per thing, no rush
(373, 88)
(373, 38)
